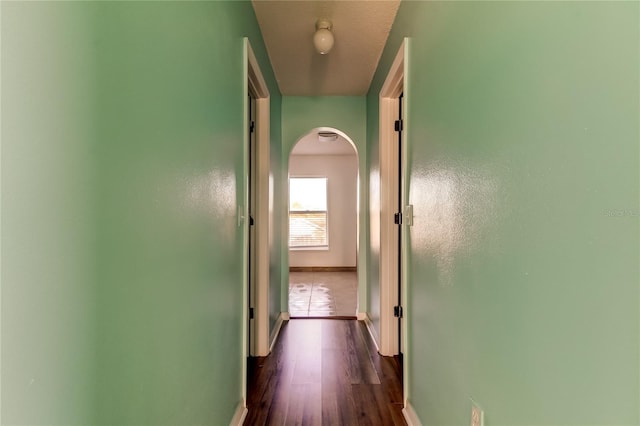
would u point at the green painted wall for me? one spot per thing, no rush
(48, 230)
(373, 169)
(279, 208)
(300, 115)
(523, 134)
(122, 166)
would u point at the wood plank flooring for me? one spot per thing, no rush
(324, 372)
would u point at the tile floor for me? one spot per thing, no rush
(323, 294)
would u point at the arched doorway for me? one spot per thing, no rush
(323, 225)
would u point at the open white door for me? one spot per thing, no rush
(391, 208)
(256, 214)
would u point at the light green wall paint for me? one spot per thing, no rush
(373, 170)
(121, 172)
(302, 114)
(523, 138)
(48, 231)
(277, 239)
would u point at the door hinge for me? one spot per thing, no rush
(397, 311)
(398, 125)
(251, 221)
(252, 127)
(251, 313)
(397, 218)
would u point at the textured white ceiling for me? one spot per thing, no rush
(360, 30)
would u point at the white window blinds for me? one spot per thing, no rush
(308, 216)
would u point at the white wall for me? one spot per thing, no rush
(342, 174)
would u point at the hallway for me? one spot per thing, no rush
(129, 145)
(324, 372)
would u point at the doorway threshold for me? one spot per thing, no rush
(333, 317)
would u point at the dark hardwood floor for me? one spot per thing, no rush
(324, 372)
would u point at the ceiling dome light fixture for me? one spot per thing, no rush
(327, 136)
(323, 37)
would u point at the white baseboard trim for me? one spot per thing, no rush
(410, 415)
(240, 414)
(284, 316)
(372, 330)
(362, 316)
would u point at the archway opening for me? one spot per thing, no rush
(323, 225)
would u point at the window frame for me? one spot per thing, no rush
(323, 247)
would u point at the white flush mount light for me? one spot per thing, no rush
(327, 136)
(323, 38)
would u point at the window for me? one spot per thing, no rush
(308, 212)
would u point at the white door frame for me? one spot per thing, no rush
(259, 90)
(259, 340)
(391, 90)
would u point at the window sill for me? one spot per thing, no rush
(325, 248)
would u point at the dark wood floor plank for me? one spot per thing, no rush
(368, 373)
(269, 388)
(324, 372)
(345, 335)
(369, 413)
(388, 368)
(373, 406)
(333, 335)
(308, 361)
(338, 406)
(305, 405)
(396, 414)
(391, 379)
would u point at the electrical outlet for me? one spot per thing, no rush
(477, 415)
